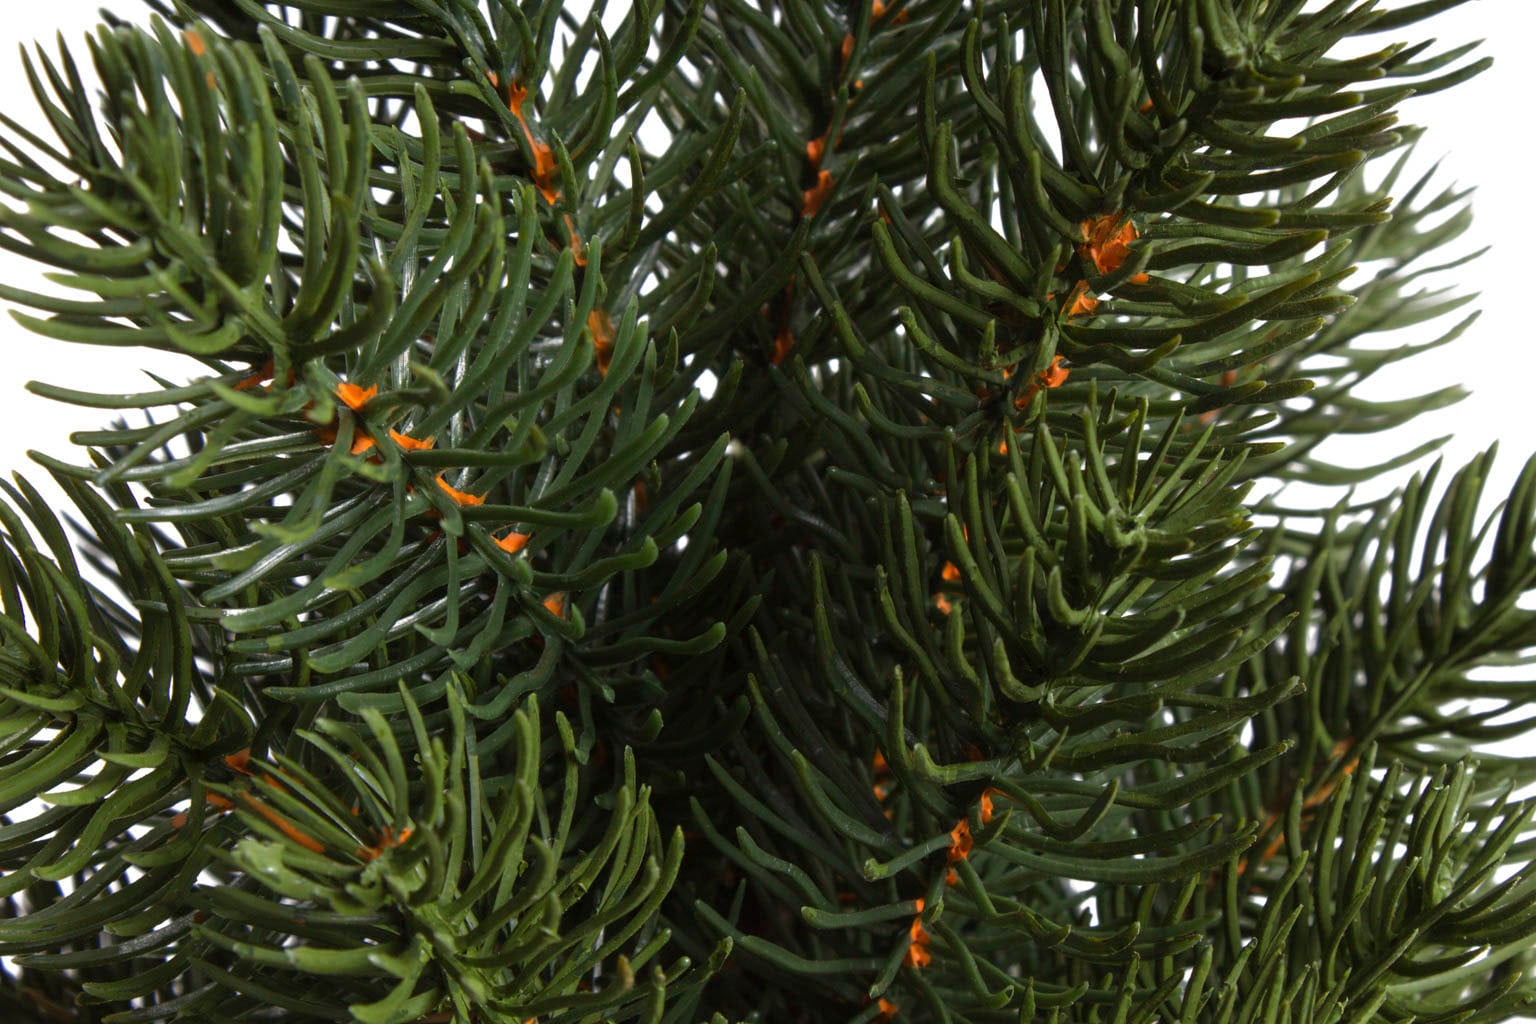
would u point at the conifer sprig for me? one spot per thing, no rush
(813, 569)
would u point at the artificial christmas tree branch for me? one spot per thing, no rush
(752, 511)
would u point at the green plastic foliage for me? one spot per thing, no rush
(1039, 597)
(333, 548)
(387, 881)
(874, 474)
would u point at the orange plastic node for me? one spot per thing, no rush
(459, 497)
(410, 443)
(513, 542)
(815, 197)
(601, 326)
(354, 396)
(960, 840)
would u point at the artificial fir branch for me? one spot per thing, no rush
(815, 568)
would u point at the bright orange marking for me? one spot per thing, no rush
(943, 603)
(1146, 105)
(195, 42)
(1081, 304)
(459, 497)
(879, 764)
(283, 825)
(410, 443)
(543, 172)
(986, 806)
(1053, 376)
(179, 820)
(951, 572)
(361, 442)
(950, 878)
(555, 605)
(816, 149)
(355, 397)
(258, 377)
(816, 196)
(601, 326)
(917, 953)
(544, 166)
(239, 761)
(960, 840)
(220, 802)
(1108, 243)
(512, 543)
(887, 1010)
(578, 252)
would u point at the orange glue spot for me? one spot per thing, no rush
(601, 326)
(960, 840)
(282, 824)
(410, 443)
(459, 497)
(355, 397)
(258, 377)
(512, 543)
(578, 251)
(816, 196)
(1081, 303)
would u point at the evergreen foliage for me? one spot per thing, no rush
(823, 566)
